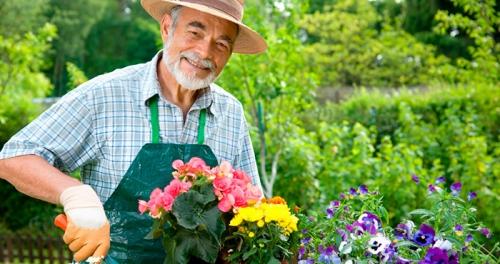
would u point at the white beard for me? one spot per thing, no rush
(188, 81)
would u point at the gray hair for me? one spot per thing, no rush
(174, 13)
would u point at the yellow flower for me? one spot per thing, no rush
(251, 214)
(260, 223)
(236, 221)
(251, 234)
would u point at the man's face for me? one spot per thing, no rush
(199, 47)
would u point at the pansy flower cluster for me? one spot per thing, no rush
(350, 230)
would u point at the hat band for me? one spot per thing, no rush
(232, 10)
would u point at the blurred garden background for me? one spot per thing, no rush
(348, 93)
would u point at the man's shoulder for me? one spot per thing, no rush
(119, 77)
(224, 97)
(120, 83)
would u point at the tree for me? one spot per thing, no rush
(74, 20)
(139, 38)
(22, 59)
(356, 46)
(30, 12)
(480, 22)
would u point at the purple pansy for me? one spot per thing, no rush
(329, 212)
(389, 253)
(302, 252)
(328, 255)
(431, 188)
(403, 231)
(424, 235)
(306, 261)
(437, 255)
(342, 234)
(306, 240)
(369, 222)
(363, 189)
(335, 203)
(415, 178)
(471, 196)
(486, 232)
(456, 188)
(353, 191)
(469, 238)
(341, 196)
(440, 180)
(453, 259)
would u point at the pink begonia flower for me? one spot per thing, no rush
(143, 206)
(222, 184)
(177, 187)
(226, 203)
(253, 192)
(198, 165)
(223, 170)
(154, 210)
(239, 197)
(155, 193)
(191, 170)
(177, 164)
(241, 176)
(167, 201)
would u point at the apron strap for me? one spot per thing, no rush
(155, 123)
(201, 126)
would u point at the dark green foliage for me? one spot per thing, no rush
(125, 35)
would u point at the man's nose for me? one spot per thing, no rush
(205, 49)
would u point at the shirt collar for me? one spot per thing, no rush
(151, 87)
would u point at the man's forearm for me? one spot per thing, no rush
(35, 177)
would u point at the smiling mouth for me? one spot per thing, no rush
(197, 65)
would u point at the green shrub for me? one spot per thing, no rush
(384, 140)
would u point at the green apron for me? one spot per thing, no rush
(151, 168)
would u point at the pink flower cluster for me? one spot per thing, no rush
(162, 201)
(190, 171)
(233, 188)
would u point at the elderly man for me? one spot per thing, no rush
(124, 129)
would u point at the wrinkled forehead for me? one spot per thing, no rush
(207, 22)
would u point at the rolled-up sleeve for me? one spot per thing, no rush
(62, 135)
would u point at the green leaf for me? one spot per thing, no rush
(405, 243)
(273, 260)
(249, 253)
(192, 212)
(186, 244)
(422, 212)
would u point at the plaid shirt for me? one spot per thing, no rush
(101, 126)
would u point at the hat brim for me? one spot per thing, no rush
(247, 42)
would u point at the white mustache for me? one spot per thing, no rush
(197, 60)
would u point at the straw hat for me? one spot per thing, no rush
(247, 41)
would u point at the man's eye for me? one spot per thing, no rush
(194, 33)
(223, 45)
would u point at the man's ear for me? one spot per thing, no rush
(165, 26)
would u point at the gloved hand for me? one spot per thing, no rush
(87, 233)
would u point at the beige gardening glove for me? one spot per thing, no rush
(87, 232)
